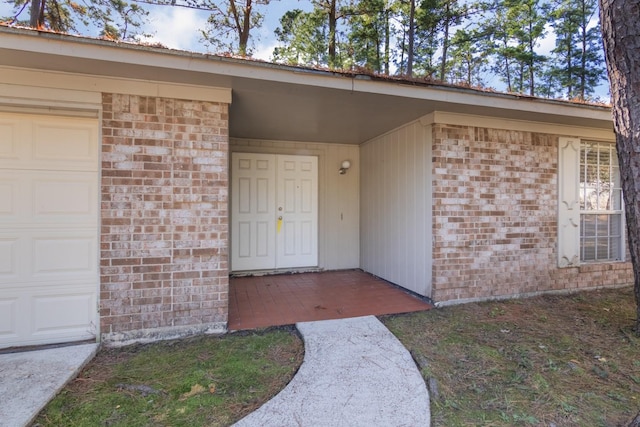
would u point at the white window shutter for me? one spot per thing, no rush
(569, 202)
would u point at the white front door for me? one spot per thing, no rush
(274, 209)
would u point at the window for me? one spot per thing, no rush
(590, 216)
(601, 219)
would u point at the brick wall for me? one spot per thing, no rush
(495, 217)
(164, 226)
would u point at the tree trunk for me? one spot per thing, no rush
(242, 24)
(532, 89)
(246, 27)
(412, 35)
(583, 68)
(445, 41)
(333, 19)
(387, 36)
(570, 88)
(36, 13)
(621, 38)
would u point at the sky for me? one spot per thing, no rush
(180, 28)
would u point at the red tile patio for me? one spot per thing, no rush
(263, 301)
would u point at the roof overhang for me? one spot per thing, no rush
(279, 102)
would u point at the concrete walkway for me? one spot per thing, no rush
(355, 373)
(29, 379)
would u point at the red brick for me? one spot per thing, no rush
(153, 191)
(515, 251)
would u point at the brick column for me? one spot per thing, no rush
(164, 230)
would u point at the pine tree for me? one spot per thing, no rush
(577, 66)
(115, 19)
(516, 30)
(237, 17)
(468, 60)
(302, 38)
(368, 29)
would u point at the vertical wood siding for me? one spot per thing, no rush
(396, 219)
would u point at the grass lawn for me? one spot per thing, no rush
(570, 360)
(205, 381)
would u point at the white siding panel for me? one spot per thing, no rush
(396, 207)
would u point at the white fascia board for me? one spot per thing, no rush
(82, 84)
(482, 100)
(100, 50)
(440, 117)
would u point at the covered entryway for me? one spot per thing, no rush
(274, 213)
(48, 228)
(262, 301)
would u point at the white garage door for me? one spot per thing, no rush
(48, 229)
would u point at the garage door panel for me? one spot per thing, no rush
(64, 141)
(9, 141)
(49, 213)
(10, 189)
(51, 312)
(63, 314)
(68, 255)
(8, 323)
(37, 142)
(66, 195)
(28, 197)
(9, 252)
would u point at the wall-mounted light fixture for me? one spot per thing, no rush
(346, 164)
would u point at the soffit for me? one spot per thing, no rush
(283, 103)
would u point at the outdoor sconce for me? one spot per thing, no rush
(346, 164)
